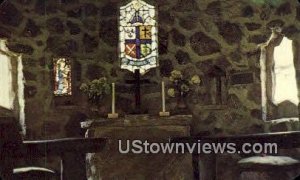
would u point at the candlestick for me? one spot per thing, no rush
(113, 98)
(113, 114)
(163, 98)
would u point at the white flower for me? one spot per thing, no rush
(195, 80)
(176, 74)
(171, 92)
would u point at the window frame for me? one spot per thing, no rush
(63, 100)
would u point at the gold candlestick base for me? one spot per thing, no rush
(113, 116)
(164, 114)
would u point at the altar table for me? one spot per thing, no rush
(111, 164)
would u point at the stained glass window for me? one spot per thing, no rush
(138, 36)
(62, 74)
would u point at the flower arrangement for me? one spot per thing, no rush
(96, 89)
(181, 85)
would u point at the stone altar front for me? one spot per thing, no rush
(111, 164)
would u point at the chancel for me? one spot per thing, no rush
(144, 89)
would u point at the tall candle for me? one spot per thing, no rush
(113, 98)
(163, 96)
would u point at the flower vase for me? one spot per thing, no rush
(97, 111)
(181, 103)
(181, 107)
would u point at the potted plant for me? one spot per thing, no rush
(181, 86)
(96, 90)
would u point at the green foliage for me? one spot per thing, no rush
(96, 89)
(181, 85)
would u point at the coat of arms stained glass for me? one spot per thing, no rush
(138, 37)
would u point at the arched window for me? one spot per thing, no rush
(278, 78)
(285, 87)
(12, 83)
(7, 93)
(62, 75)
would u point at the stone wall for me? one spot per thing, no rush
(195, 36)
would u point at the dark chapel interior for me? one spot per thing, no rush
(221, 71)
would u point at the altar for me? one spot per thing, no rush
(112, 164)
(124, 157)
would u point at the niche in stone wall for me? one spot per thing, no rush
(217, 89)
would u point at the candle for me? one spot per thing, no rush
(113, 114)
(163, 96)
(113, 98)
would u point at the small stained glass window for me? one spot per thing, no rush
(62, 74)
(138, 36)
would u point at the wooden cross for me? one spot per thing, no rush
(137, 90)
